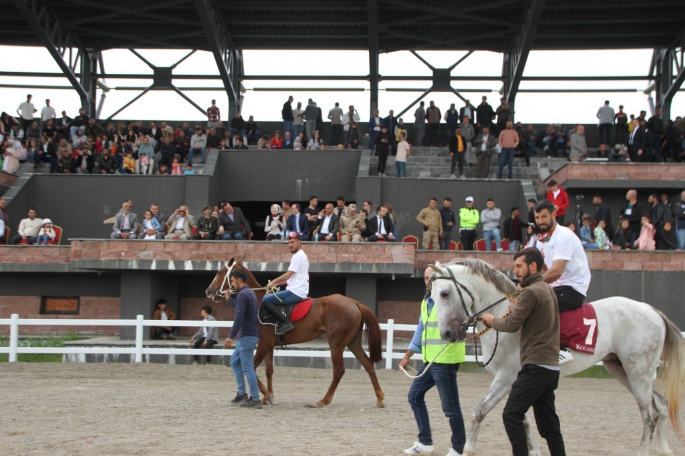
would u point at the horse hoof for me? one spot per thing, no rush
(380, 405)
(319, 404)
(271, 400)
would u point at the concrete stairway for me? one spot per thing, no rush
(435, 162)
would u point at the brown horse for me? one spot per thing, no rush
(342, 319)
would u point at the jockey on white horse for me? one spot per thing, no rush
(566, 267)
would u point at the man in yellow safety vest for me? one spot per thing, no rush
(442, 373)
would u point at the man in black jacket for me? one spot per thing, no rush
(656, 126)
(484, 113)
(106, 163)
(287, 115)
(46, 153)
(380, 227)
(636, 142)
(633, 212)
(232, 223)
(448, 222)
(168, 151)
(514, 229)
(602, 212)
(238, 124)
(391, 123)
(659, 213)
(383, 142)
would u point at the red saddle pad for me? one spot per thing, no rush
(579, 329)
(301, 310)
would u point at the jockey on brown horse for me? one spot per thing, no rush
(297, 280)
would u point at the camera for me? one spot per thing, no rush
(580, 197)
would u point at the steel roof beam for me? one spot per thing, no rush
(228, 58)
(59, 40)
(666, 61)
(515, 60)
(372, 24)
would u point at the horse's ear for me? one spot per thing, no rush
(239, 258)
(230, 262)
(436, 268)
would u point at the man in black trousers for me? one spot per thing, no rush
(536, 314)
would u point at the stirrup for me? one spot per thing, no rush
(565, 356)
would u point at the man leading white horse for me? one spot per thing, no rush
(566, 268)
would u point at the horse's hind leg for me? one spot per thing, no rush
(356, 348)
(261, 355)
(660, 443)
(640, 384)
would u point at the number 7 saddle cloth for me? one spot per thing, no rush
(295, 312)
(579, 328)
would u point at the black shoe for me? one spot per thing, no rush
(285, 327)
(240, 398)
(251, 404)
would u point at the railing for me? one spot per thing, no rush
(139, 349)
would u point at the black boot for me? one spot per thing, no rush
(284, 325)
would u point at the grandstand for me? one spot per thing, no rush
(123, 278)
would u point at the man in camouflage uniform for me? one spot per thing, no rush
(352, 225)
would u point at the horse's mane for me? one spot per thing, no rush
(483, 269)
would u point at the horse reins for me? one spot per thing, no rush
(221, 292)
(471, 321)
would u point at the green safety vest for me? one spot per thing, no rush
(468, 218)
(431, 343)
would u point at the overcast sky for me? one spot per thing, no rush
(266, 105)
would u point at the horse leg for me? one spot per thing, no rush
(356, 348)
(499, 388)
(529, 425)
(640, 384)
(259, 356)
(659, 438)
(338, 372)
(269, 395)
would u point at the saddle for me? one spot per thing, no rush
(579, 329)
(294, 312)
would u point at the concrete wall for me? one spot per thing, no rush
(272, 176)
(409, 196)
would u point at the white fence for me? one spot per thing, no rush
(138, 350)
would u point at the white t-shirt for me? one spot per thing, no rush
(565, 245)
(27, 109)
(47, 113)
(299, 282)
(402, 148)
(164, 317)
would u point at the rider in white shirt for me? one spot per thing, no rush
(566, 267)
(297, 288)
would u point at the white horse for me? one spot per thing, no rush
(633, 337)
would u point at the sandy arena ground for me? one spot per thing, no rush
(153, 409)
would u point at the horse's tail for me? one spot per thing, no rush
(373, 333)
(672, 372)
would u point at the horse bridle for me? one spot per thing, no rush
(222, 292)
(472, 320)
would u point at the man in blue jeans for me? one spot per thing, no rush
(297, 280)
(442, 373)
(245, 326)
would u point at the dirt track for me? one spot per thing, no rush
(152, 409)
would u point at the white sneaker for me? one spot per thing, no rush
(419, 448)
(565, 356)
(500, 250)
(453, 176)
(453, 452)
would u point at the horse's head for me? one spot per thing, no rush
(467, 286)
(453, 300)
(221, 285)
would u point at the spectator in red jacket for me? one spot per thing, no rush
(277, 141)
(559, 198)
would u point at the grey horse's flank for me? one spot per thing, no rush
(633, 341)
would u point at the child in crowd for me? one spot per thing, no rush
(586, 235)
(46, 233)
(572, 226)
(176, 167)
(400, 128)
(601, 238)
(297, 145)
(144, 164)
(129, 163)
(666, 239)
(646, 239)
(622, 236)
(532, 238)
(150, 223)
(189, 169)
(162, 169)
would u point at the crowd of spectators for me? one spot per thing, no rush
(473, 134)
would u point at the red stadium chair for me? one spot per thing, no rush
(58, 236)
(455, 246)
(479, 245)
(505, 244)
(413, 239)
